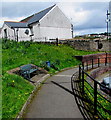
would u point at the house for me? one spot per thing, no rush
(45, 25)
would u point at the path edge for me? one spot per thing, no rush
(38, 85)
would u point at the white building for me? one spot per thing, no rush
(110, 17)
(45, 25)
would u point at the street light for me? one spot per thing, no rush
(107, 21)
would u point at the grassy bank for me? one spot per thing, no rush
(15, 89)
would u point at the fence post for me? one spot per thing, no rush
(98, 62)
(57, 41)
(95, 98)
(87, 65)
(92, 63)
(82, 81)
(83, 65)
(79, 73)
(106, 60)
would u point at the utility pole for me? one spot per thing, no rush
(107, 21)
(72, 30)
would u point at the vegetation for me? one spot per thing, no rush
(101, 101)
(15, 92)
(15, 89)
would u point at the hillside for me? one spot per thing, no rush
(16, 90)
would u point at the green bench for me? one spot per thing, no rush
(26, 70)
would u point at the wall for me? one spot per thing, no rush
(22, 36)
(53, 25)
(99, 71)
(91, 45)
(10, 32)
(87, 59)
(102, 57)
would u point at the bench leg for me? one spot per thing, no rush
(28, 76)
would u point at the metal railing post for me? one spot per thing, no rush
(106, 60)
(95, 98)
(80, 77)
(82, 81)
(98, 62)
(92, 63)
(87, 65)
(79, 72)
(83, 65)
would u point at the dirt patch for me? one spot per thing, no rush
(34, 76)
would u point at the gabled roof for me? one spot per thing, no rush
(16, 24)
(36, 17)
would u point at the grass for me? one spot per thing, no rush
(100, 100)
(15, 92)
(17, 54)
(15, 89)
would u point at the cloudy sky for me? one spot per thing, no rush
(86, 16)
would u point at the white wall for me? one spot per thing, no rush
(22, 36)
(54, 25)
(12, 33)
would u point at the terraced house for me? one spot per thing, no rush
(45, 25)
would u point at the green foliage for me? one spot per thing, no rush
(14, 54)
(105, 104)
(15, 92)
(17, 54)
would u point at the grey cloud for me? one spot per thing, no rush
(94, 5)
(97, 16)
(18, 9)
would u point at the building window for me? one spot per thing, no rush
(27, 32)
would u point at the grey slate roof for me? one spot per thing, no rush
(16, 24)
(36, 17)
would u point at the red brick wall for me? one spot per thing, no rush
(101, 56)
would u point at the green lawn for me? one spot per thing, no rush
(16, 90)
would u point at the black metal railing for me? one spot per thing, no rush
(97, 101)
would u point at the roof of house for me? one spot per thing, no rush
(36, 17)
(29, 20)
(16, 24)
(26, 19)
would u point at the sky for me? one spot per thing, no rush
(86, 16)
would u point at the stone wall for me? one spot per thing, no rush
(91, 45)
(99, 71)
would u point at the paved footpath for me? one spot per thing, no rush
(55, 99)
